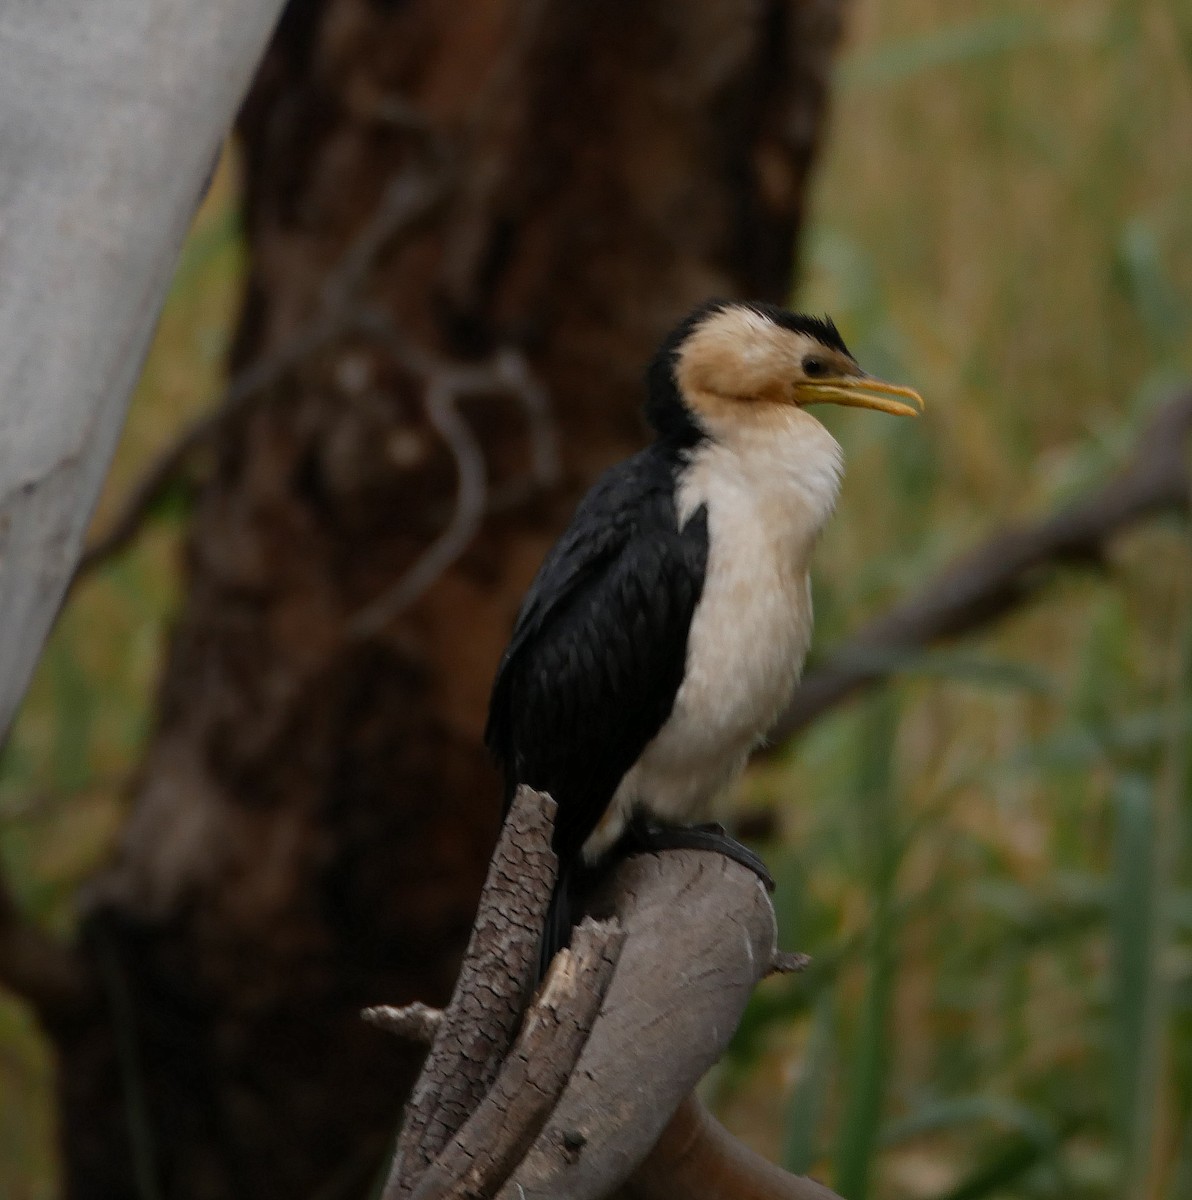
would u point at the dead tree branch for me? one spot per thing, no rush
(497, 1135)
(698, 1159)
(1005, 572)
(596, 1092)
(700, 935)
(491, 992)
(444, 385)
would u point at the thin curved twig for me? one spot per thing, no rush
(470, 501)
(445, 384)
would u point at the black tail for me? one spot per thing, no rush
(576, 888)
(561, 917)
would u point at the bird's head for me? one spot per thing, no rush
(732, 364)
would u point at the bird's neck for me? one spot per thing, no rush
(786, 472)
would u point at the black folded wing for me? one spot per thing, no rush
(600, 645)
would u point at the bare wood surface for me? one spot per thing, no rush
(698, 1159)
(500, 1130)
(700, 934)
(491, 992)
(1006, 571)
(415, 1022)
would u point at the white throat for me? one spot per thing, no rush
(782, 475)
(768, 491)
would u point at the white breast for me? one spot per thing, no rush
(768, 494)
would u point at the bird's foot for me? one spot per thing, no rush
(649, 839)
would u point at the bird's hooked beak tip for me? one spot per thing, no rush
(864, 391)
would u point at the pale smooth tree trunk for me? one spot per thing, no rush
(111, 114)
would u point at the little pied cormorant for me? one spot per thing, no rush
(667, 628)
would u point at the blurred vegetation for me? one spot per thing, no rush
(990, 861)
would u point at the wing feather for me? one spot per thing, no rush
(599, 647)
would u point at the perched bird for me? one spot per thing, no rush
(666, 629)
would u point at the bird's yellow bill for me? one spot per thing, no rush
(863, 393)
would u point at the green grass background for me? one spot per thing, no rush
(990, 860)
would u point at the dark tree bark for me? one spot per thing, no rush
(316, 812)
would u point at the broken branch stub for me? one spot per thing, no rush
(415, 1022)
(491, 993)
(699, 935)
(480, 1157)
(593, 1101)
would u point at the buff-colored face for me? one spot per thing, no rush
(739, 357)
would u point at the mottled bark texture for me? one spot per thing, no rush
(315, 813)
(493, 987)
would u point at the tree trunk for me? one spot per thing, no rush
(105, 102)
(316, 810)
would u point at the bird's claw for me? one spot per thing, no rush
(650, 839)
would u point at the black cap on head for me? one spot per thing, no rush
(820, 328)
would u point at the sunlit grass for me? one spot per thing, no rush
(991, 863)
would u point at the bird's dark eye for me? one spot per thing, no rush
(814, 366)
